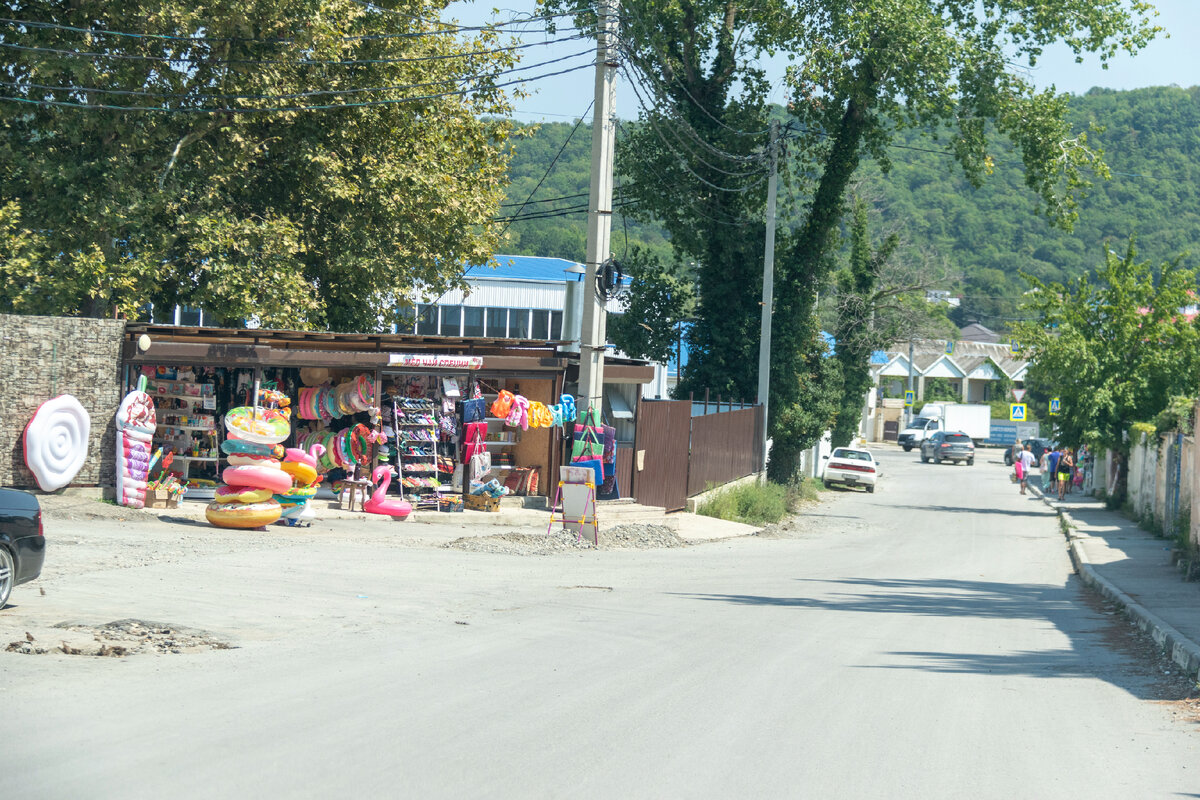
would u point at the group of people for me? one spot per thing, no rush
(1059, 468)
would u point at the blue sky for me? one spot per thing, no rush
(1166, 61)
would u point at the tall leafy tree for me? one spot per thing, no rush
(661, 299)
(299, 162)
(869, 69)
(1115, 348)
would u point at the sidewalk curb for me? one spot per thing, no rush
(1183, 651)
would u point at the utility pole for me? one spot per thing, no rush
(907, 408)
(604, 134)
(768, 290)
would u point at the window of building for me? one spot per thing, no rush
(541, 324)
(518, 323)
(427, 320)
(189, 315)
(497, 323)
(472, 321)
(451, 320)
(406, 319)
(556, 331)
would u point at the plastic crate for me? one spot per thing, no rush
(482, 502)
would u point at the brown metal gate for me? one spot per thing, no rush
(663, 436)
(725, 447)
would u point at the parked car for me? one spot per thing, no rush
(851, 466)
(22, 542)
(1036, 446)
(948, 446)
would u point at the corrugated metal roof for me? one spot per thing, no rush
(526, 268)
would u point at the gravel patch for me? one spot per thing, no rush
(75, 508)
(118, 639)
(631, 536)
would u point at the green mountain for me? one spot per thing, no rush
(1151, 143)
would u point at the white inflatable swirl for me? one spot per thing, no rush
(56, 442)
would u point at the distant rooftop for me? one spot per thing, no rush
(523, 268)
(977, 333)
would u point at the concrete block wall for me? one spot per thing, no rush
(43, 357)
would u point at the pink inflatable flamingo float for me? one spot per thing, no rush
(379, 502)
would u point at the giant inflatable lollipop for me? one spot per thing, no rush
(253, 476)
(56, 442)
(136, 424)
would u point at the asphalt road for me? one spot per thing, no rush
(926, 641)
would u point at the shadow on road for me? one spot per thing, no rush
(1100, 646)
(1042, 512)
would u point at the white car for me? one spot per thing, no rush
(851, 466)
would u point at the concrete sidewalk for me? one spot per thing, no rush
(1133, 569)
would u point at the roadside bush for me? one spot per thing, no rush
(752, 503)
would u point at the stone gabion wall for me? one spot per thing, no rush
(43, 357)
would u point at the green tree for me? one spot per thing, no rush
(193, 160)
(1114, 349)
(659, 301)
(870, 69)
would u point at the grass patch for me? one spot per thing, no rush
(759, 503)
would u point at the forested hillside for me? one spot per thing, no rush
(1151, 142)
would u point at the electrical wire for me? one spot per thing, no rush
(557, 155)
(183, 59)
(497, 26)
(274, 109)
(203, 97)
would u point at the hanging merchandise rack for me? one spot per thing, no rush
(415, 422)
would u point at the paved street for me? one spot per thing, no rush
(926, 641)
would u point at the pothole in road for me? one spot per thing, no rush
(118, 639)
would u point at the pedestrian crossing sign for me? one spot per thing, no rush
(909, 397)
(1055, 405)
(1016, 412)
(949, 348)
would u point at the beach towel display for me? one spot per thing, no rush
(56, 442)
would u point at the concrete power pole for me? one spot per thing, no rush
(768, 290)
(604, 134)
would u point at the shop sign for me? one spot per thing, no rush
(435, 361)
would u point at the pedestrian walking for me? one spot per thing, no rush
(1065, 464)
(1052, 463)
(1044, 468)
(1026, 462)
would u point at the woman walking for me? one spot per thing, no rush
(1065, 464)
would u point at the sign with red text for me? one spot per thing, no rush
(434, 361)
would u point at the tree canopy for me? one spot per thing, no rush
(296, 162)
(1113, 348)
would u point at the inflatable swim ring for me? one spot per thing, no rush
(242, 515)
(269, 427)
(304, 474)
(276, 480)
(242, 494)
(247, 460)
(56, 442)
(234, 446)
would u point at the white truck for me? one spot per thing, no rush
(973, 420)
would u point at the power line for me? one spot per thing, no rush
(273, 109)
(200, 96)
(496, 26)
(184, 59)
(557, 155)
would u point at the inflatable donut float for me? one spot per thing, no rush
(276, 480)
(246, 460)
(242, 494)
(300, 465)
(242, 515)
(267, 426)
(56, 442)
(234, 446)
